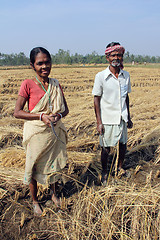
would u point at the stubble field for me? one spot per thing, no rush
(128, 207)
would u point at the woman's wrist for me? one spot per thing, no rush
(60, 114)
(40, 116)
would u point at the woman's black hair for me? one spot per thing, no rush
(37, 50)
(112, 44)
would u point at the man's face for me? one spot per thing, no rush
(115, 59)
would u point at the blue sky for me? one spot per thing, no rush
(80, 26)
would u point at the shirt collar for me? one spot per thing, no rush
(108, 72)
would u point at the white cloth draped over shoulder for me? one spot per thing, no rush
(45, 154)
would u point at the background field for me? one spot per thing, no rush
(127, 208)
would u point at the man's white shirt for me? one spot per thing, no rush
(113, 92)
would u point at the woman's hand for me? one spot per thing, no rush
(47, 119)
(56, 117)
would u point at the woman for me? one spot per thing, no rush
(45, 145)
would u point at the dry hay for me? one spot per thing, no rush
(148, 145)
(157, 155)
(12, 157)
(117, 211)
(127, 208)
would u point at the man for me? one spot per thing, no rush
(111, 103)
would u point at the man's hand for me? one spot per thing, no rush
(100, 128)
(129, 123)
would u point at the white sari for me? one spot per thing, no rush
(45, 154)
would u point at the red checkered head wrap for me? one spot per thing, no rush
(117, 48)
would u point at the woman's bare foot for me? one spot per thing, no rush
(37, 209)
(122, 172)
(56, 200)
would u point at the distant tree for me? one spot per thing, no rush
(153, 59)
(64, 57)
(14, 59)
(132, 57)
(127, 57)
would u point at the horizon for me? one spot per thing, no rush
(144, 55)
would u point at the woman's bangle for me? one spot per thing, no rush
(40, 117)
(60, 114)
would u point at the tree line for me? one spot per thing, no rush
(64, 57)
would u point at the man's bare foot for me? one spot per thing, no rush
(104, 178)
(37, 209)
(121, 172)
(56, 200)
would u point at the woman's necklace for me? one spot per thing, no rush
(48, 92)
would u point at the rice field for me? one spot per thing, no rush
(128, 207)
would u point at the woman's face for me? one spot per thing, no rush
(42, 65)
